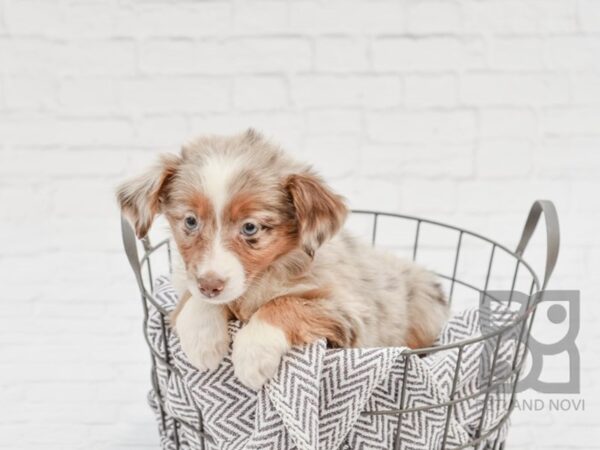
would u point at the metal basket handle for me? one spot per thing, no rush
(131, 250)
(552, 234)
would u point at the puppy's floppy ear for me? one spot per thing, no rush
(140, 197)
(319, 211)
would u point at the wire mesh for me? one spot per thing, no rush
(484, 437)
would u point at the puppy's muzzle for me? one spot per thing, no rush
(211, 285)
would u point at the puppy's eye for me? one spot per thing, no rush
(191, 223)
(249, 229)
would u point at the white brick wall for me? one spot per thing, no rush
(461, 110)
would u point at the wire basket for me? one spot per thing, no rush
(466, 276)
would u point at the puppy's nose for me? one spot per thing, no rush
(211, 284)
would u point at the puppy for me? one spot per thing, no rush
(260, 241)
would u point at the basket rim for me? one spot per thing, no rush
(495, 243)
(515, 320)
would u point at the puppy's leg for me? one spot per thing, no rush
(275, 327)
(202, 331)
(257, 351)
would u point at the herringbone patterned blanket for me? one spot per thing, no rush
(321, 398)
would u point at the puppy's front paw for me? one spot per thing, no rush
(203, 335)
(257, 352)
(205, 351)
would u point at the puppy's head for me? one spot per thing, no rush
(236, 206)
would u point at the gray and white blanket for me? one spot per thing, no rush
(322, 398)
